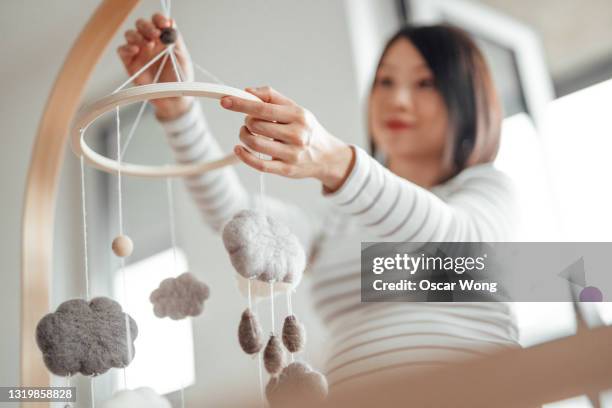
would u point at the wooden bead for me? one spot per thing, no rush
(123, 246)
(168, 36)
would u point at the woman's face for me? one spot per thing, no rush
(408, 116)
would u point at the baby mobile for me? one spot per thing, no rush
(91, 336)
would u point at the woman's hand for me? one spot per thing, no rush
(298, 145)
(142, 44)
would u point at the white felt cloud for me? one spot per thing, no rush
(262, 248)
(297, 382)
(143, 397)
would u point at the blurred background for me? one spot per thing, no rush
(552, 63)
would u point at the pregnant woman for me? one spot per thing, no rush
(434, 124)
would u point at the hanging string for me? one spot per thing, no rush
(289, 313)
(260, 372)
(174, 251)
(208, 74)
(249, 294)
(175, 66)
(122, 260)
(272, 304)
(142, 109)
(166, 7)
(84, 213)
(144, 67)
(172, 221)
(93, 396)
(68, 384)
(289, 307)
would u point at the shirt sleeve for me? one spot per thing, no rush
(479, 204)
(219, 194)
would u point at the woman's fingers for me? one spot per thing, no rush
(161, 21)
(266, 166)
(133, 37)
(147, 29)
(269, 95)
(127, 52)
(270, 147)
(263, 110)
(286, 132)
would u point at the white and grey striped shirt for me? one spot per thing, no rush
(374, 205)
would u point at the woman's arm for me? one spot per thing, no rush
(219, 194)
(480, 206)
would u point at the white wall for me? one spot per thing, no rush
(301, 48)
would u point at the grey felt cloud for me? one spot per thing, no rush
(263, 248)
(87, 338)
(179, 297)
(143, 397)
(297, 382)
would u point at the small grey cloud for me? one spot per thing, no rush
(297, 382)
(86, 337)
(263, 248)
(179, 297)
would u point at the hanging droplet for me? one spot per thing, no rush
(168, 36)
(274, 356)
(249, 333)
(123, 246)
(294, 334)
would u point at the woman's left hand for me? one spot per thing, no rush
(298, 145)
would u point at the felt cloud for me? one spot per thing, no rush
(179, 297)
(262, 248)
(143, 397)
(297, 382)
(86, 337)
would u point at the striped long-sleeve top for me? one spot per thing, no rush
(374, 204)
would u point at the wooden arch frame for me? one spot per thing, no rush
(560, 369)
(43, 176)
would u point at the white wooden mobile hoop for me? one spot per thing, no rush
(143, 93)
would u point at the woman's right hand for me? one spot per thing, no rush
(143, 44)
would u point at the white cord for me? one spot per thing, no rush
(172, 221)
(176, 67)
(122, 260)
(208, 74)
(144, 67)
(142, 108)
(84, 213)
(173, 243)
(249, 294)
(93, 396)
(290, 312)
(272, 304)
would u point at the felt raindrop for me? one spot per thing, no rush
(274, 355)
(297, 382)
(179, 297)
(263, 248)
(249, 333)
(123, 246)
(86, 337)
(294, 334)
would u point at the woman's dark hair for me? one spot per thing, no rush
(463, 79)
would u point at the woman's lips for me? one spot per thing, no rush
(397, 125)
